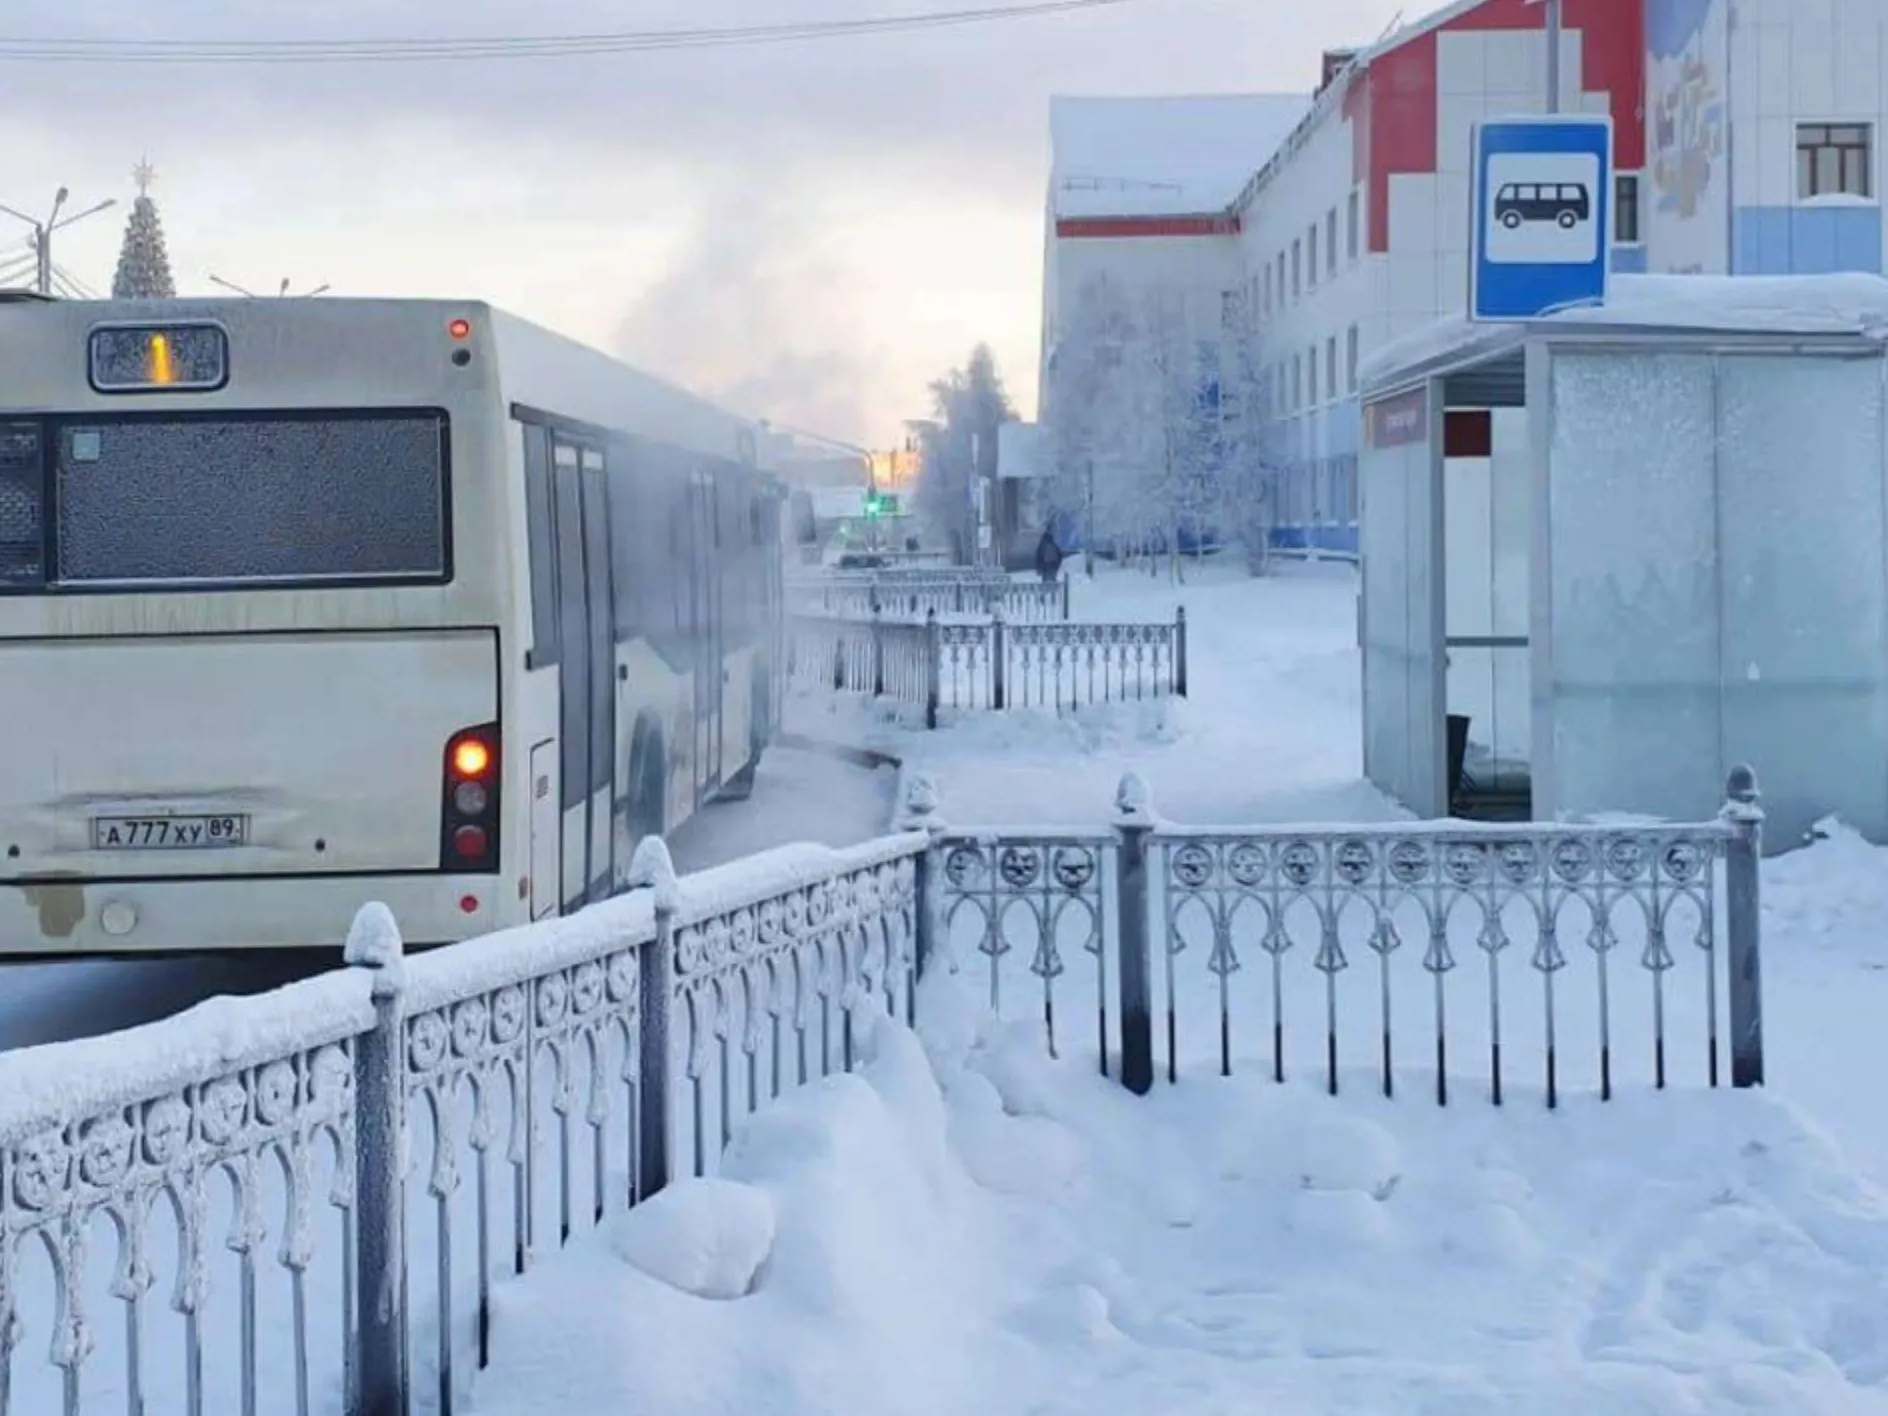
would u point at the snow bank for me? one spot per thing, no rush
(708, 1237)
(864, 1301)
(967, 1226)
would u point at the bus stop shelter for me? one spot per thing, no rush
(1609, 553)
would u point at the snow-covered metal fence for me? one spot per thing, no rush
(1171, 916)
(572, 1068)
(989, 664)
(1018, 601)
(562, 1069)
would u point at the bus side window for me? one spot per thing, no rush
(541, 547)
(632, 604)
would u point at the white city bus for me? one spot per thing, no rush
(305, 603)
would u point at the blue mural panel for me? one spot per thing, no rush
(1810, 240)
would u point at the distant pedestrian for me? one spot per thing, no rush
(1048, 558)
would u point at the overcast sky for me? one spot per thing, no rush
(809, 231)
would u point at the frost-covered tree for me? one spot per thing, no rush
(960, 446)
(1252, 432)
(1089, 424)
(143, 262)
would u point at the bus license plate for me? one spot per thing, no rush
(169, 833)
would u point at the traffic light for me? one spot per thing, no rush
(880, 504)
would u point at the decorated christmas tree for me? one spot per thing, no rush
(143, 263)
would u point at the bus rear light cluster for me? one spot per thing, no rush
(471, 801)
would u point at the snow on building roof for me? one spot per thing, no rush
(1813, 305)
(1162, 156)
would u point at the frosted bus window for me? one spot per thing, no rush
(302, 500)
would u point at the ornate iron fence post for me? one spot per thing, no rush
(1180, 652)
(653, 870)
(878, 652)
(933, 666)
(1744, 926)
(919, 812)
(380, 1358)
(1066, 581)
(1134, 823)
(999, 661)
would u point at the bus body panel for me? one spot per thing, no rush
(329, 747)
(336, 701)
(61, 917)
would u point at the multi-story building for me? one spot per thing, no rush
(1745, 141)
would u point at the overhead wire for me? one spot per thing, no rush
(120, 50)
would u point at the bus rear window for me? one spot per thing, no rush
(301, 499)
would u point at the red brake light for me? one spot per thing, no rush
(469, 842)
(460, 328)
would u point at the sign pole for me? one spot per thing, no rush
(1553, 56)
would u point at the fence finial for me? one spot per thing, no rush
(373, 942)
(919, 809)
(1743, 800)
(1133, 802)
(652, 868)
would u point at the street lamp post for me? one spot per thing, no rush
(42, 233)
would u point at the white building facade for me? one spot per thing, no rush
(1746, 138)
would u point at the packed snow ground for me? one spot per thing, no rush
(967, 1225)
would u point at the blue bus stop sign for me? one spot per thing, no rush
(1542, 224)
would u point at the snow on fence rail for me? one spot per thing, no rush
(990, 664)
(1583, 933)
(1015, 600)
(560, 1070)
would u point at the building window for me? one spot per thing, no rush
(1350, 227)
(1297, 382)
(1268, 288)
(1626, 209)
(1312, 381)
(1311, 257)
(1330, 241)
(1350, 359)
(1297, 268)
(1832, 159)
(1330, 366)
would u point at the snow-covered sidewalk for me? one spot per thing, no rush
(982, 1230)
(1269, 732)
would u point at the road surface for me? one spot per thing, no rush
(798, 796)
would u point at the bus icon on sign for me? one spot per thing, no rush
(1565, 204)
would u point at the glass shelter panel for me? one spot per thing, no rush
(1424, 694)
(1381, 539)
(1801, 516)
(1633, 598)
(1485, 555)
(1403, 711)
